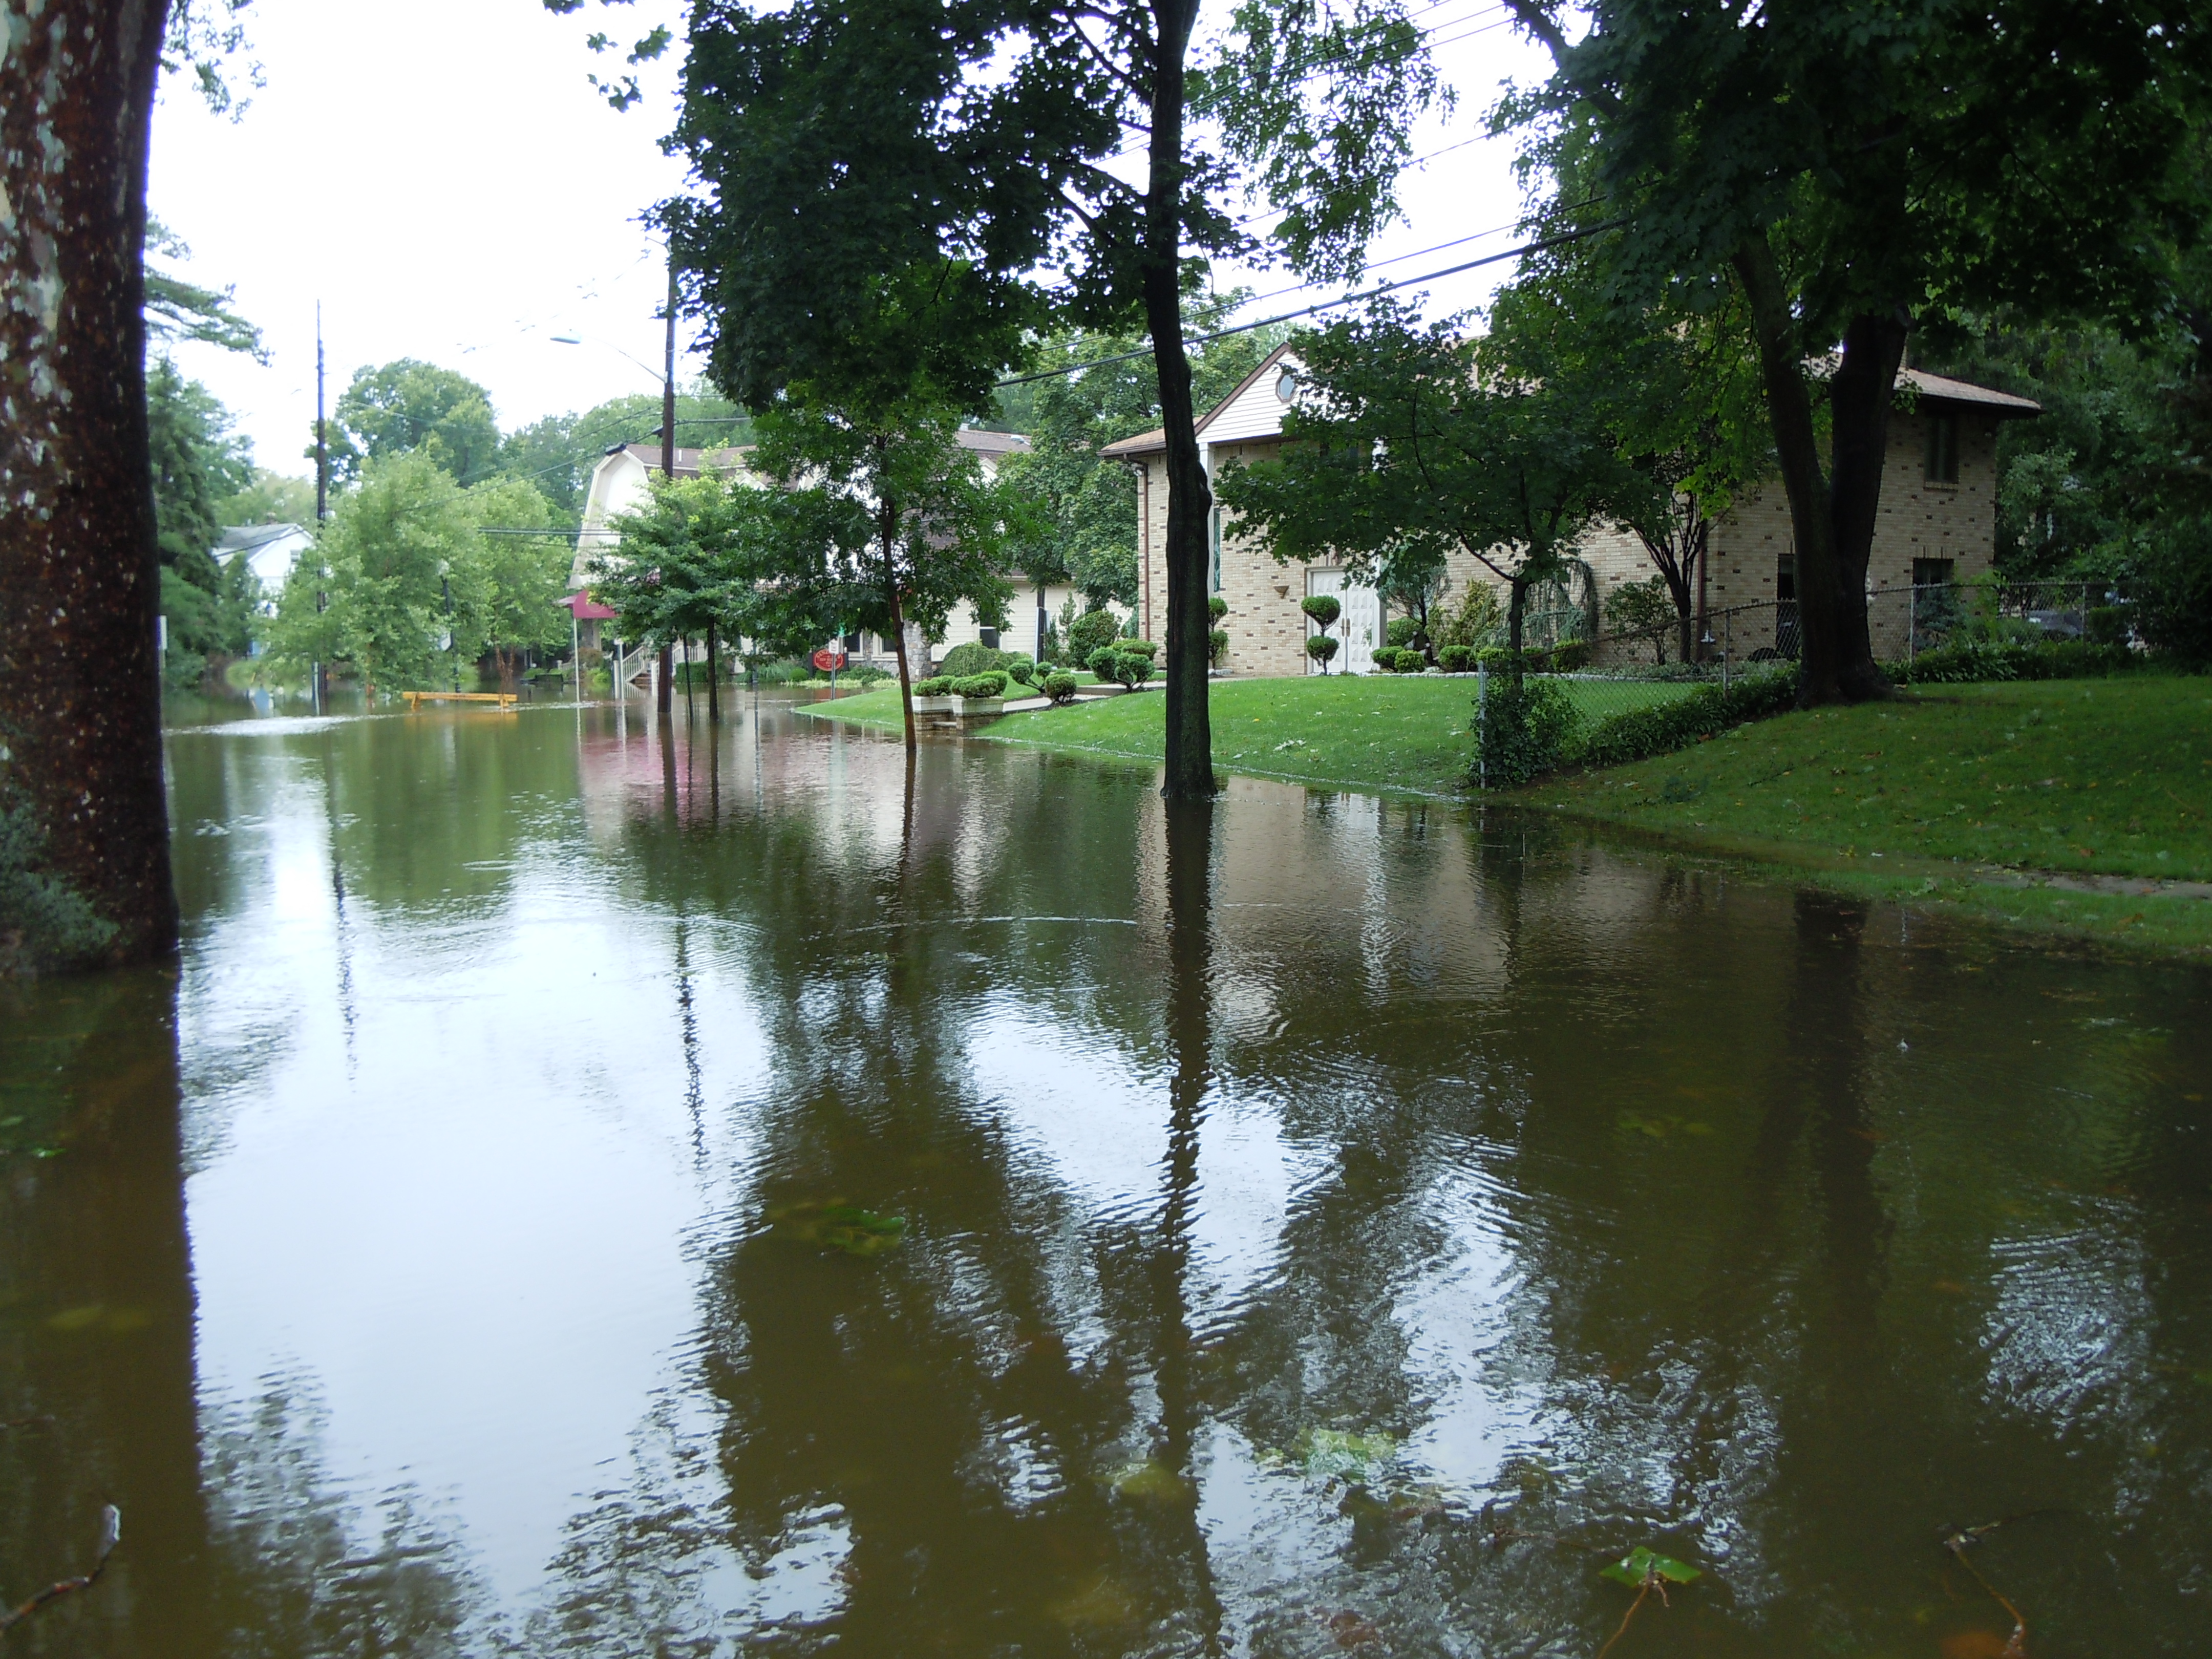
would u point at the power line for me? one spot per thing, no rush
(1537, 246)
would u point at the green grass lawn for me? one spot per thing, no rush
(1403, 732)
(2093, 778)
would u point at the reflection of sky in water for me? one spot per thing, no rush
(1506, 1164)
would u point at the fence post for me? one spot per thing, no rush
(1481, 725)
(1911, 621)
(1728, 643)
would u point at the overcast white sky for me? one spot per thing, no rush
(439, 174)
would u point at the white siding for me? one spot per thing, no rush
(1255, 412)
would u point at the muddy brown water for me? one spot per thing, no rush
(1329, 1225)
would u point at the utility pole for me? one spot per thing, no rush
(668, 462)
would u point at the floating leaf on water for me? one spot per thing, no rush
(1640, 1564)
(1661, 1125)
(844, 1227)
(1338, 1454)
(1151, 1479)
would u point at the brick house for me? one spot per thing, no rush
(1937, 523)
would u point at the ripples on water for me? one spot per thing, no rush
(1332, 1225)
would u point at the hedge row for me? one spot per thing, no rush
(2053, 660)
(1706, 712)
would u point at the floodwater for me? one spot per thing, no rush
(1330, 1225)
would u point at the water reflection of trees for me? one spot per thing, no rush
(1664, 1112)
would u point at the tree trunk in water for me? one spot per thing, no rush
(889, 525)
(663, 695)
(80, 697)
(1190, 770)
(714, 680)
(1833, 528)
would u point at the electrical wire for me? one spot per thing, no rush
(1537, 246)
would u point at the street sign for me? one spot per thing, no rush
(828, 659)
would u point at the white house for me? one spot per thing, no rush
(271, 548)
(620, 483)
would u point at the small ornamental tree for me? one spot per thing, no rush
(1417, 444)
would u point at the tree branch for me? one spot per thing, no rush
(111, 1531)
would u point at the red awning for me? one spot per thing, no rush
(583, 608)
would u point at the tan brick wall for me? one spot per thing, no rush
(1917, 520)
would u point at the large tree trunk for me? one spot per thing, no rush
(80, 699)
(889, 526)
(1832, 527)
(1189, 729)
(714, 679)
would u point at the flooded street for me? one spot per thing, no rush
(586, 1189)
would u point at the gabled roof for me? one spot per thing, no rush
(687, 460)
(1153, 442)
(2002, 405)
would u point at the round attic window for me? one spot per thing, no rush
(1287, 385)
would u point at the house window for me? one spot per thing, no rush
(989, 636)
(1943, 449)
(1786, 577)
(1932, 573)
(1213, 568)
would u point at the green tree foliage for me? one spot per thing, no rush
(178, 310)
(270, 498)
(1672, 385)
(1089, 506)
(1857, 168)
(1415, 444)
(406, 406)
(198, 463)
(372, 597)
(968, 146)
(523, 577)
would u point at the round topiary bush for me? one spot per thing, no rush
(1088, 632)
(1023, 670)
(1216, 648)
(1321, 647)
(1147, 649)
(1403, 631)
(1216, 607)
(1323, 607)
(937, 685)
(1456, 658)
(1060, 688)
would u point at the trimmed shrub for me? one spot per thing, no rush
(1132, 668)
(1023, 670)
(1089, 632)
(1323, 607)
(1639, 733)
(2054, 660)
(1146, 648)
(980, 687)
(1403, 660)
(1060, 687)
(1216, 607)
(1217, 647)
(937, 685)
(1321, 647)
(1403, 631)
(973, 658)
(1522, 731)
(1101, 662)
(1456, 658)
